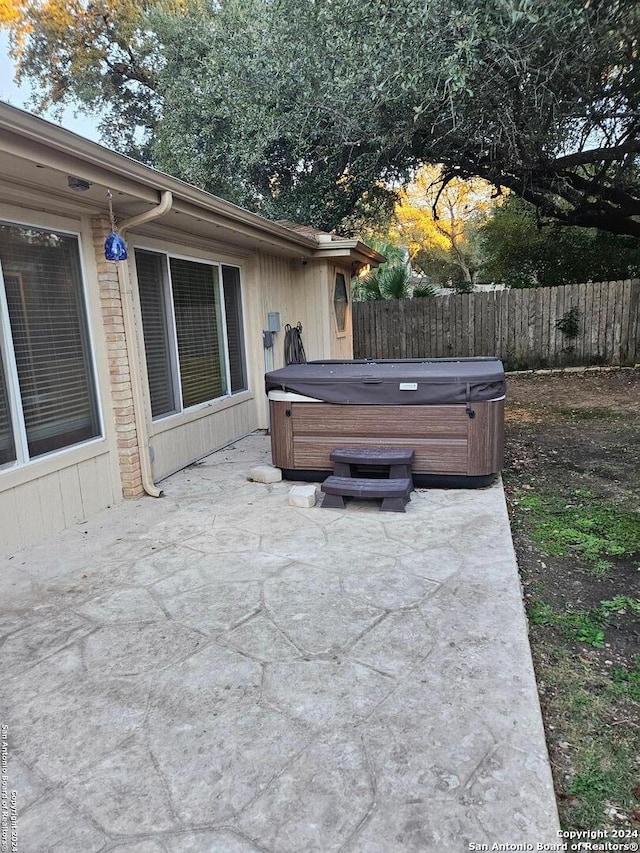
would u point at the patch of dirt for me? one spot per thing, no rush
(615, 390)
(576, 436)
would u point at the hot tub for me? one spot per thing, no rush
(449, 411)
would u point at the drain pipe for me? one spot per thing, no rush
(133, 350)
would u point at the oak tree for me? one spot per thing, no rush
(319, 110)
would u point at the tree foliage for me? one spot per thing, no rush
(11, 12)
(439, 226)
(101, 56)
(391, 280)
(520, 253)
(310, 109)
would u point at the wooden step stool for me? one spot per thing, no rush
(394, 491)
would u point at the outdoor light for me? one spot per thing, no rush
(115, 248)
(78, 184)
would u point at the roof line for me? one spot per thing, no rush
(41, 131)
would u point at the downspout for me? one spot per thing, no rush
(133, 352)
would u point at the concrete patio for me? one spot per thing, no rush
(218, 671)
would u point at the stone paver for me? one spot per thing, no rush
(220, 672)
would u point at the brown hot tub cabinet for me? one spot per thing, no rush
(449, 411)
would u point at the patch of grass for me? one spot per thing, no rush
(570, 509)
(619, 604)
(542, 614)
(582, 493)
(598, 758)
(605, 776)
(600, 568)
(583, 626)
(591, 530)
(626, 681)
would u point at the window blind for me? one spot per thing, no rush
(151, 269)
(43, 285)
(235, 337)
(198, 331)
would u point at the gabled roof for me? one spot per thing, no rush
(37, 156)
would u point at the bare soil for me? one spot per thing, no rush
(574, 438)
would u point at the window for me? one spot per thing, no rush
(340, 302)
(47, 388)
(151, 285)
(235, 329)
(193, 331)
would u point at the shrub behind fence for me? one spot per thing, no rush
(578, 324)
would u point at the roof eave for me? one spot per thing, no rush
(353, 249)
(65, 151)
(91, 155)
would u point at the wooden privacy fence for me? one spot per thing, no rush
(520, 326)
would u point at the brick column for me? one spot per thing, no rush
(122, 409)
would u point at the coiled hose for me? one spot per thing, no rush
(293, 347)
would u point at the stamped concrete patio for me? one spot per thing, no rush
(218, 671)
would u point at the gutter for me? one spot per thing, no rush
(62, 150)
(102, 161)
(133, 350)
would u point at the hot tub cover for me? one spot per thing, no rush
(412, 382)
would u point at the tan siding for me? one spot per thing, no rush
(301, 293)
(48, 504)
(10, 539)
(71, 496)
(341, 342)
(177, 447)
(88, 476)
(51, 504)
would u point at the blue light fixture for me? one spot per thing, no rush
(115, 248)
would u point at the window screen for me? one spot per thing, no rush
(151, 269)
(189, 358)
(199, 334)
(235, 336)
(340, 302)
(7, 443)
(43, 285)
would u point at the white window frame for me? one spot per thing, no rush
(11, 368)
(173, 336)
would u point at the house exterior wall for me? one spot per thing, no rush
(177, 440)
(54, 492)
(63, 488)
(300, 293)
(341, 342)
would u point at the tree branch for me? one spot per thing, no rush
(598, 155)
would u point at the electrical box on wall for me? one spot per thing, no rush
(268, 339)
(273, 321)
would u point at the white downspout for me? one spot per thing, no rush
(133, 350)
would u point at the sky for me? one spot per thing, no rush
(18, 96)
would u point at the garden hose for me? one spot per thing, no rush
(293, 347)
